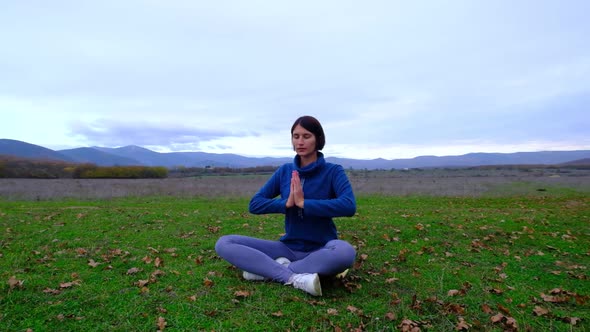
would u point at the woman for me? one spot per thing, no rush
(310, 192)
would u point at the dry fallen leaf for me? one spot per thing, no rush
(92, 263)
(486, 308)
(540, 311)
(332, 312)
(161, 323)
(69, 284)
(497, 318)
(159, 262)
(15, 283)
(51, 291)
(208, 283)
(242, 293)
(352, 309)
(390, 316)
(462, 325)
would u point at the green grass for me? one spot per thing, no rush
(500, 253)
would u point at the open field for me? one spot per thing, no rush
(450, 182)
(495, 252)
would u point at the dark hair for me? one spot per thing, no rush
(313, 125)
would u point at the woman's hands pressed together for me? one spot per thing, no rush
(296, 197)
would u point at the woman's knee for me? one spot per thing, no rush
(345, 252)
(222, 243)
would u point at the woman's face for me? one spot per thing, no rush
(303, 141)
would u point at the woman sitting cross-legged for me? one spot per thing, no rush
(310, 192)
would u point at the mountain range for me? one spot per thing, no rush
(135, 155)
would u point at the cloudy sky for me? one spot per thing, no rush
(387, 79)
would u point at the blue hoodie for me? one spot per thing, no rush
(327, 193)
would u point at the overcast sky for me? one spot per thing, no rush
(387, 79)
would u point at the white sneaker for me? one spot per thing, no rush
(255, 277)
(342, 275)
(283, 260)
(252, 276)
(308, 282)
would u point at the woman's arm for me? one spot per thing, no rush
(266, 200)
(344, 203)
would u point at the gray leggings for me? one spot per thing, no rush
(258, 256)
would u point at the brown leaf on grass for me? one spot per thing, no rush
(353, 309)
(277, 314)
(92, 263)
(453, 292)
(571, 320)
(81, 251)
(15, 283)
(70, 284)
(161, 323)
(154, 275)
(511, 324)
(213, 229)
(158, 262)
(462, 325)
(142, 283)
(242, 293)
(133, 270)
(390, 316)
(416, 304)
(402, 256)
(51, 291)
(540, 311)
(454, 308)
(408, 325)
(332, 312)
(208, 283)
(211, 313)
(391, 280)
(192, 298)
(147, 260)
(496, 291)
(486, 308)
(497, 318)
(555, 299)
(503, 309)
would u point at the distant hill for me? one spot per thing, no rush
(135, 155)
(97, 157)
(191, 159)
(579, 162)
(12, 147)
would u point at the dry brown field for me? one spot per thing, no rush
(436, 182)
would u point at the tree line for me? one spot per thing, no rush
(16, 167)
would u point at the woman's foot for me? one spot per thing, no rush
(255, 277)
(308, 282)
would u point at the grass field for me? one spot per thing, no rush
(433, 263)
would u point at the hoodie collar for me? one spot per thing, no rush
(311, 168)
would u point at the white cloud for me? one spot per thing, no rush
(386, 78)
